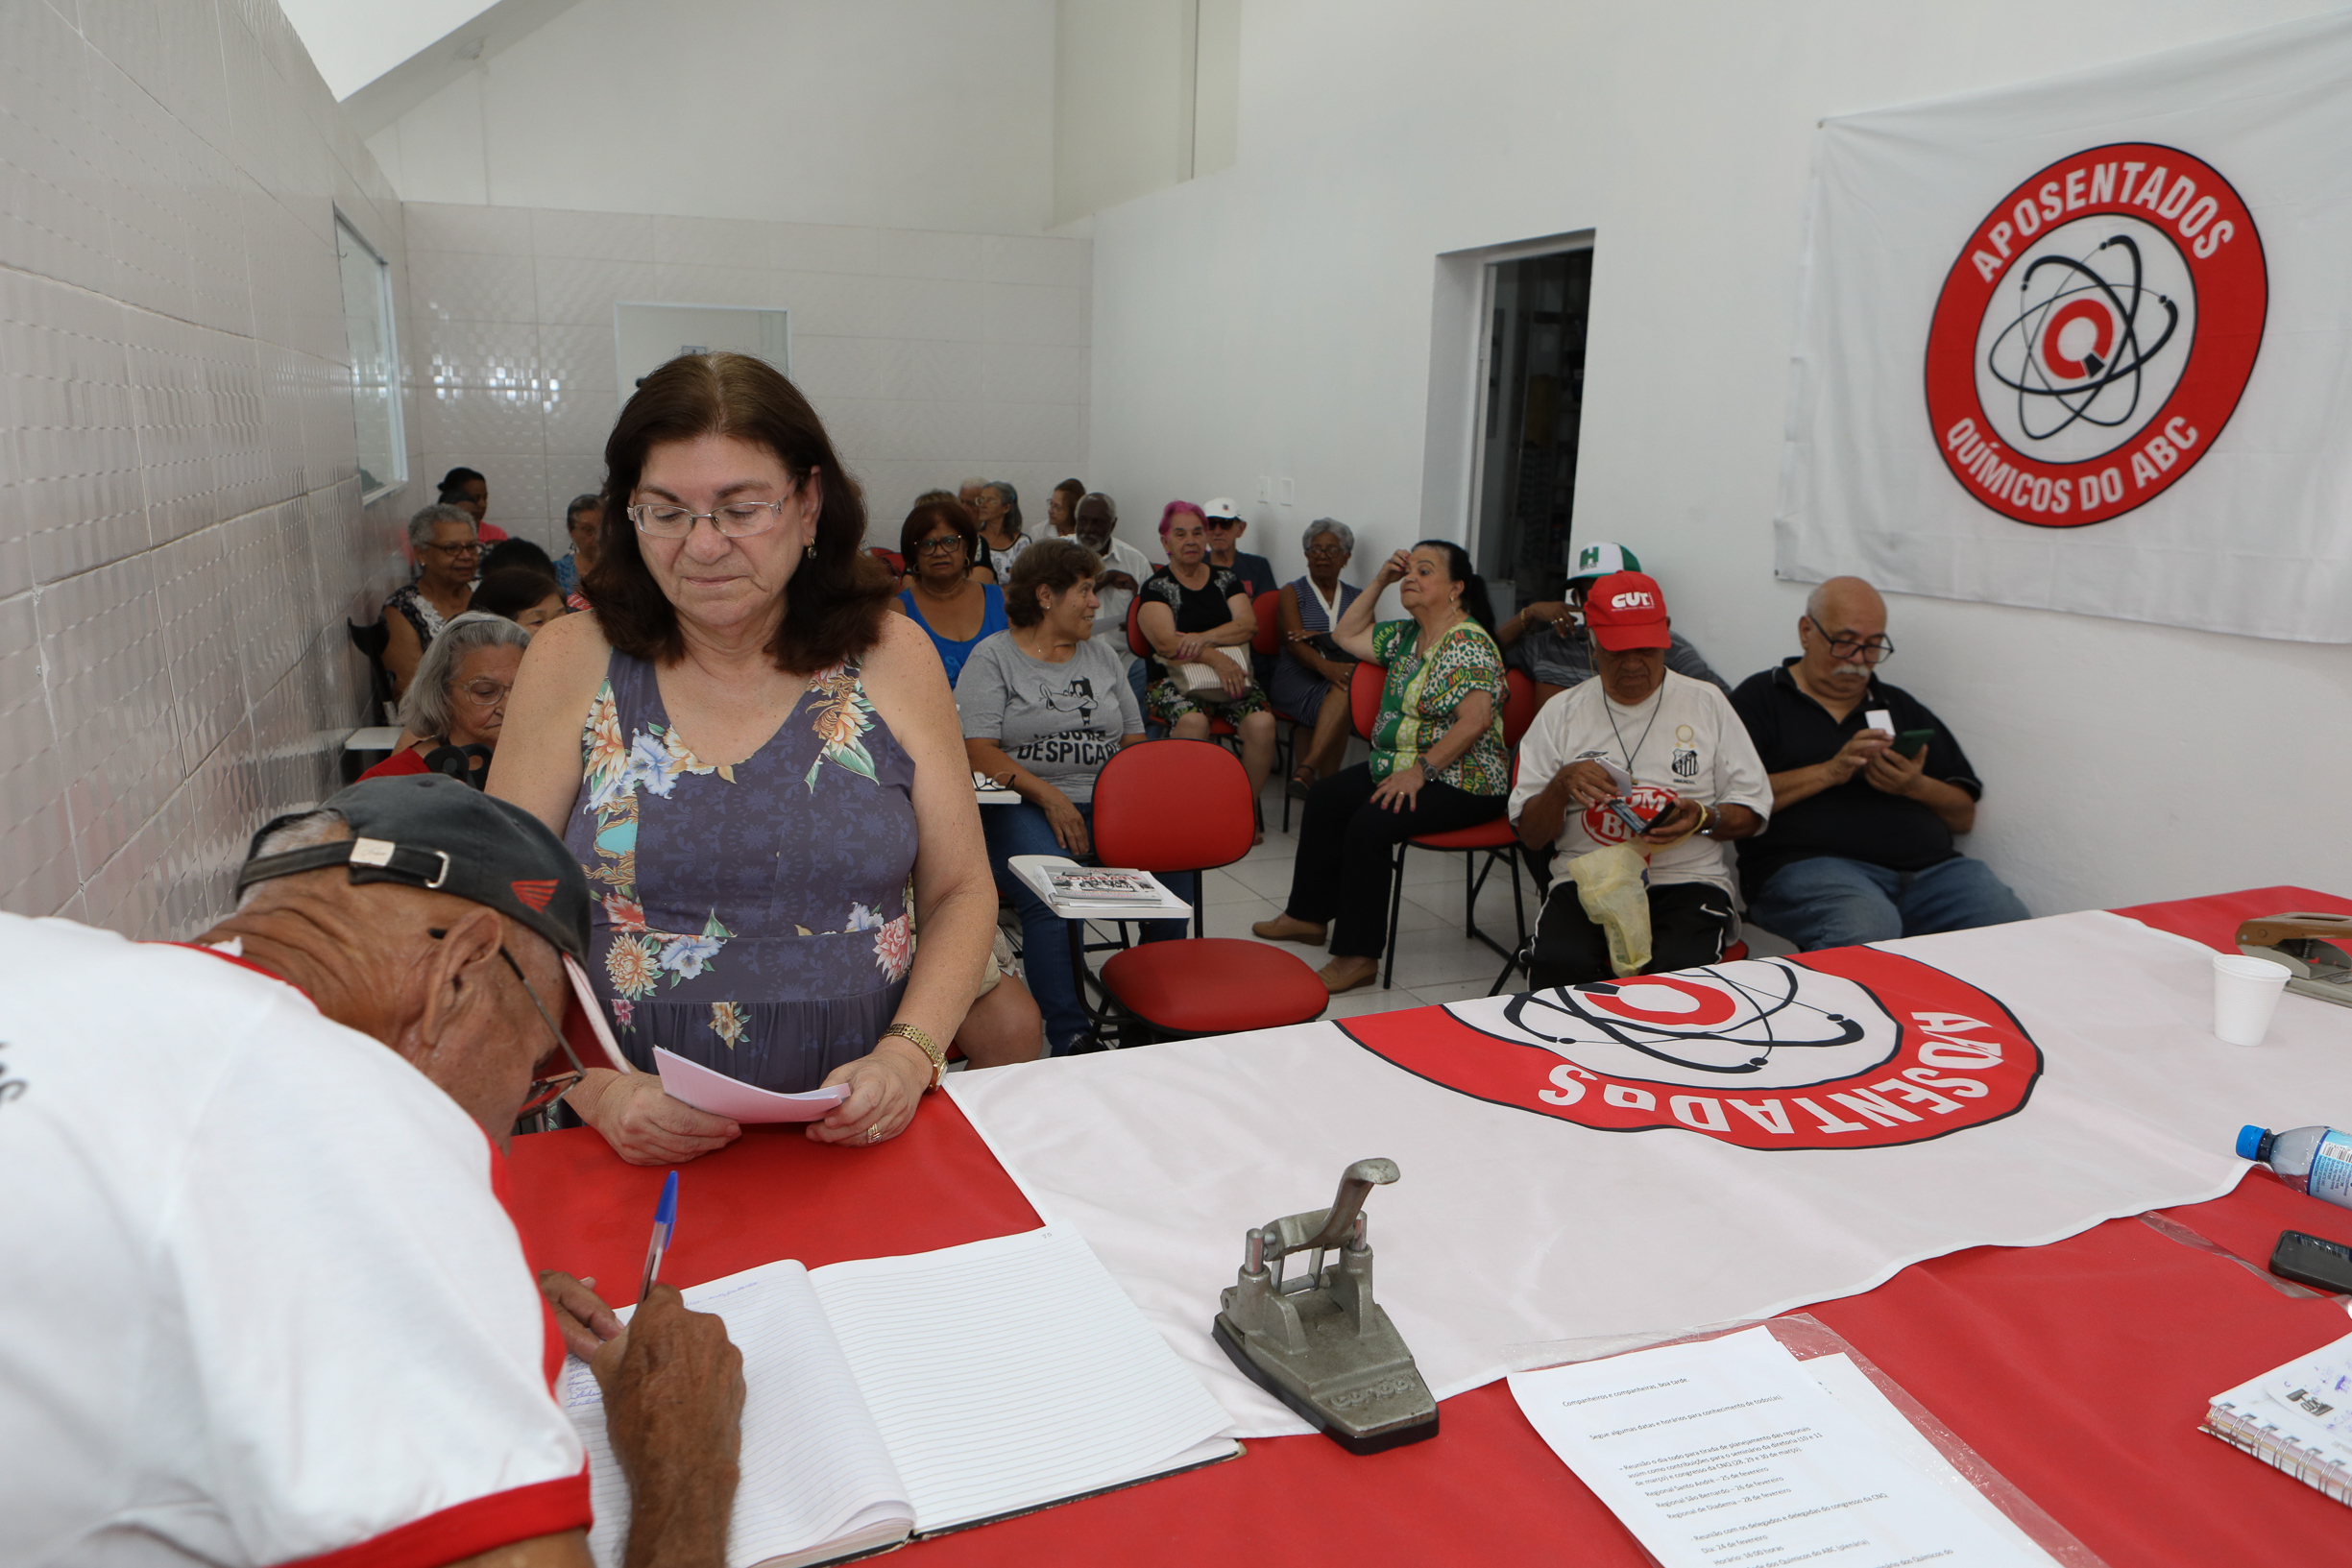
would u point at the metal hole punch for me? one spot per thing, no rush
(1318, 1343)
(2306, 944)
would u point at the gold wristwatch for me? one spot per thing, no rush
(928, 1047)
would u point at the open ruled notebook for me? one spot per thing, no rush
(895, 1396)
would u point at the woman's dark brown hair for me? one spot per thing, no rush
(929, 515)
(1057, 564)
(833, 606)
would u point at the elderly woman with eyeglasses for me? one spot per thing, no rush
(1311, 681)
(941, 596)
(457, 706)
(446, 550)
(761, 771)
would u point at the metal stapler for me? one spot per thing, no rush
(1320, 1343)
(2303, 943)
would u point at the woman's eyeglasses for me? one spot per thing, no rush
(472, 546)
(938, 546)
(735, 520)
(485, 694)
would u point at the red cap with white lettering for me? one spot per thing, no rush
(1625, 610)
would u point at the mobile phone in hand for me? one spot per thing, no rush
(1633, 823)
(1911, 742)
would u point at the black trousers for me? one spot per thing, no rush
(1346, 846)
(1691, 923)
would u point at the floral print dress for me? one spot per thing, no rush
(754, 918)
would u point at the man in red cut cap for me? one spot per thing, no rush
(1637, 741)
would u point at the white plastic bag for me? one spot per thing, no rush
(1613, 885)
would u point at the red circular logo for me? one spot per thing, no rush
(2094, 334)
(1847, 1048)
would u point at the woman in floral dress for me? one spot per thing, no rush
(761, 770)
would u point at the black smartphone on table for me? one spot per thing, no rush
(2312, 1261)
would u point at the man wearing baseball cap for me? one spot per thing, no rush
(271, 1307)
(1542, 641)
(1224, 525)
(1643, 740)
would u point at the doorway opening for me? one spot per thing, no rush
(1531, 404)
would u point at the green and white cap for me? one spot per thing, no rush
(1600, 559)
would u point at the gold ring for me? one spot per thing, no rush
(873, 1133)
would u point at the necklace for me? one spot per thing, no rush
(1431, 638)
(1658, 705)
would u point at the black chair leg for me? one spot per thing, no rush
(1397, 900)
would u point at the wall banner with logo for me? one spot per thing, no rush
(2086, 344)
(1651, 1154)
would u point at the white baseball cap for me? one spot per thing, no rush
(1600, 559)
(1223, 506)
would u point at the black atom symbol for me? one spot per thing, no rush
(2107, 391)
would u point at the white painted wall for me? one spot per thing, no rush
(1275, 320)
(898, 114)
(182, 532)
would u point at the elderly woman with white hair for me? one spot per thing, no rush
(447, 549)
(456, 704)
(1311, 678)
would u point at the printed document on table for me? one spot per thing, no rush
(1726, 1452)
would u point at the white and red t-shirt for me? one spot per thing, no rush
(1684, 743)
(262, 1303)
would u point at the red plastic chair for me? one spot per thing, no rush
(1178, 806)
(1364, 697)
(1496, 840)
(889, 557)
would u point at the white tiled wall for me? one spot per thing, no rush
(180, 527)
(931, 358)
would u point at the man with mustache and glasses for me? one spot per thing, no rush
(1869, 789)
(271, 1307)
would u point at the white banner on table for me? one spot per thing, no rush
(2081, 345)
(1674, 1151)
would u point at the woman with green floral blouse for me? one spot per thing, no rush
(1438, 759)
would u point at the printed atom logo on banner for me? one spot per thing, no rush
(1850, 1049)
(2094, 334)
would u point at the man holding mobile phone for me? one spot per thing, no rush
(1869, 789)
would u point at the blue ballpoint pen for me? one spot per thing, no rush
(664, 1216)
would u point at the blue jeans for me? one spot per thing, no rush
(1045, 940)
(1829, 903)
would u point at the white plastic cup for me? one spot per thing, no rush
(2246, 993)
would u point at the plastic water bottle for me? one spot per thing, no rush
(2314, 1160)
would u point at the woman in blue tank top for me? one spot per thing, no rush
(937, 542)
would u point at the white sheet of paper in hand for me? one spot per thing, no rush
(1699, 1448)
(722, 1095)
(1879, 719)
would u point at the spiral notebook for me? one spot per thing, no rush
(890, 1397)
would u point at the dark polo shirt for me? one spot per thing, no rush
(1852, 820)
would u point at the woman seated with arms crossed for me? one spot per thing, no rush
(1309, 684)
(941, 596)
(1044, 706)
(750, 756)
(1198, 617)
(1438, 760)
(458, 698)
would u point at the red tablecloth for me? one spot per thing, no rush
(2079, 1370)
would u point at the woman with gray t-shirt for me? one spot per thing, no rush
(1044, 707)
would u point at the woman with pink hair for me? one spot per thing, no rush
(1196, 616)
